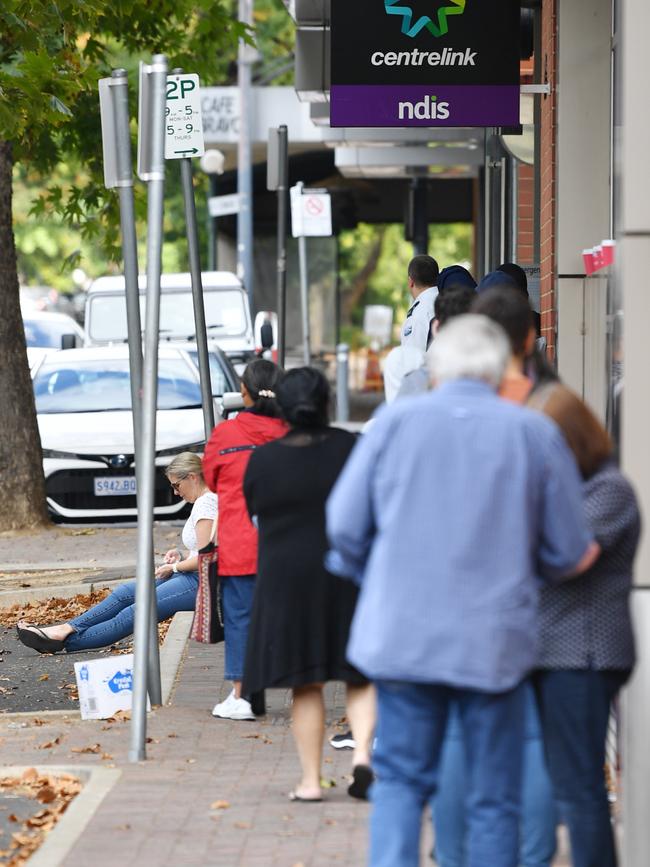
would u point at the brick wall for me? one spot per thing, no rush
(548, 174)
(525, 223)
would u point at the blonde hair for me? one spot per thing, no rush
(184, 464)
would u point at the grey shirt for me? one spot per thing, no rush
(585, 622)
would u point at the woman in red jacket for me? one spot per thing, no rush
(224, 464)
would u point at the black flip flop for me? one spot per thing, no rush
(38, 640)
(362, 779)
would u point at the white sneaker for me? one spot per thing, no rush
(225, 705)
(234, 708)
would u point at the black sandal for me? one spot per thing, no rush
(362, 779)
(36, 639)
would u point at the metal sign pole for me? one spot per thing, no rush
(304, 291)
(116, 139)
(197, 290)
(244, 160)
(151, 167)
(134, 326)
(278, 179)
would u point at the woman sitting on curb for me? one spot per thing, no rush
(177, 578)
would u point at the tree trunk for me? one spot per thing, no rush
(352, 294)
(22, 487)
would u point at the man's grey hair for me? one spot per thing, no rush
(469, 347)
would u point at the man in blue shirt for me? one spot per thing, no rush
(448, 510)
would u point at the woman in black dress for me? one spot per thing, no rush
(301, 613)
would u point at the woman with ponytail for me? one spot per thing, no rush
(226, 457)
(301, 613)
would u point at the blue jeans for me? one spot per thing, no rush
(412, 720)
(539, 817)
(113, 619)
(237, 602)
(574, 711)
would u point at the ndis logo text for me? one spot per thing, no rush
(428, 108)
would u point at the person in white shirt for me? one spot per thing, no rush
(177, 577)
(422, 280)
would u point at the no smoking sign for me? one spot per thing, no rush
(311, 213)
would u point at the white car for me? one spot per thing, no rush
(46, 330)
(83, 405)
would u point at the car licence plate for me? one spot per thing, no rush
(114, 486)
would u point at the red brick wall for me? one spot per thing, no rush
(525, 253)
(548, 174)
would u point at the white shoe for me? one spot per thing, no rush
(234, 708)
(225, 705)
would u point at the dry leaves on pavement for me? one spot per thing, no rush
(57, 610)
(54, 793)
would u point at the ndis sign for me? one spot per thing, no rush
(435, 63)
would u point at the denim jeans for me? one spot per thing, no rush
(112, 619)
(412, 720)
(538, 812)
(237, 601)
(574, 712)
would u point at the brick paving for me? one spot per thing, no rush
(162, 812)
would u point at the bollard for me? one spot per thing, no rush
(342, 382)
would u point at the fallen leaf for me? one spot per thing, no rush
(12, 817)
(219, 805)
(125, 827)
(95, 748)
(191, 761)
(327, 783)
(38, 722)
(86, 531)
(44, 677)
(29, 775)
(49, 744)
(46, 795)
(106, 757)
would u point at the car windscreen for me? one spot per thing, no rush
(46, 332)
(225, 315)
(218, 377)
(104, 386)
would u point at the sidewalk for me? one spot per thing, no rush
(212, 793)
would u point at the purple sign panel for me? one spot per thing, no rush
(417, 105)
(396, 63)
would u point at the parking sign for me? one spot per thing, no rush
(183, 124)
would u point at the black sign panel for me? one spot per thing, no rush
(419, 63)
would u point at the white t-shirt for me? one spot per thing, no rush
(415, 330)
(204, 507)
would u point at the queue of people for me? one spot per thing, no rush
(464, 567)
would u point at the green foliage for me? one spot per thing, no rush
(449, 244)
(51, 58)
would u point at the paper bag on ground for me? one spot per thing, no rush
(105, 686)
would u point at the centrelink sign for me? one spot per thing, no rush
(424, 63)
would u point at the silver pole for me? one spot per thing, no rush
(342, 382)
(129, 246)
(283, 183)
(197, 296)
(144, 578)
(304, 292)
(514, 208)
(244, 169)
(134, 327)
(197, 291)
